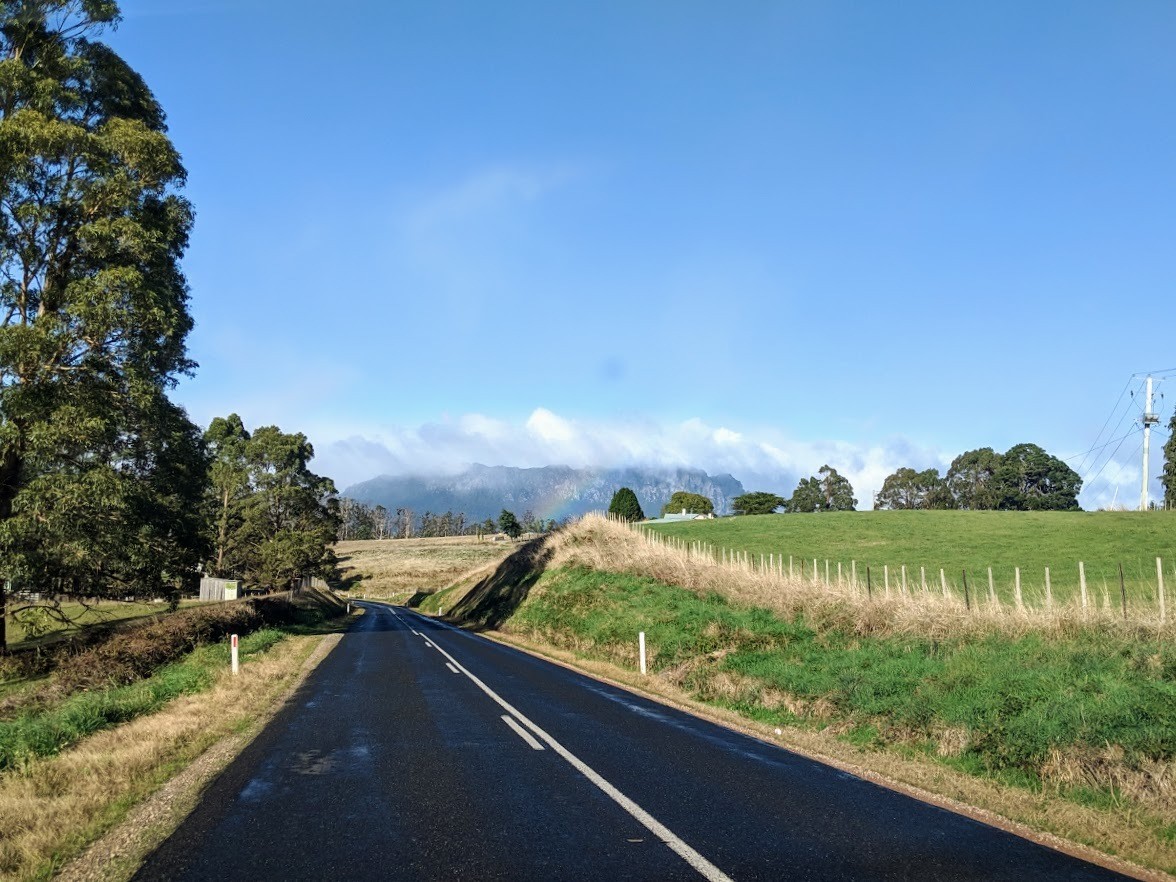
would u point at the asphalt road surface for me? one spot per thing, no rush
(418, 751)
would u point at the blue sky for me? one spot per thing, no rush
(750, 237)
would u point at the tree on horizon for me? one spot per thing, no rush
(626, 506)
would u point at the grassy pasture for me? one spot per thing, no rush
(395, 569)
(974, 540)
(103, 613)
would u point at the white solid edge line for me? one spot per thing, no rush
(521, 732)
(452, 668)
(704, 867)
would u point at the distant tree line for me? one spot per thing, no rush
(1023, 478)
(359, 520)
(827, 490)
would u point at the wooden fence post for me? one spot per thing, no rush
(943, 582)
(904, 587)
(1017, 588)
(1048, 591)
(1123, 592)
(992, 589)
(923, 578)
(869, 587)
(886, 578)
(790, 566)
(1082, 582)
(826, 572)
(1160, 588)
(967, 599)
(838, 574)
(853, 573)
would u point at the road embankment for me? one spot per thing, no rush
(1065, 729)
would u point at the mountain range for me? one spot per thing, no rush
(549, 492)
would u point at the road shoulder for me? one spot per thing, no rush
(118, 854)
(1034, 817)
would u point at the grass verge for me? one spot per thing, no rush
(1068, 726)
(1088, 719)
(125, 741)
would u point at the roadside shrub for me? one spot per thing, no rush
(135, 652)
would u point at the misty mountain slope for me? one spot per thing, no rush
(550, 492)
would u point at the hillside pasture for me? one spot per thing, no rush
(959, 540)
(396, 569)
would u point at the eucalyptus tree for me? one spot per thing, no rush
(757, 502)
(93, 309)
(828, 490)
(282, 518)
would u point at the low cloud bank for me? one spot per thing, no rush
(762, 458)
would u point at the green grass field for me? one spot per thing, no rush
(975, 540)
(104, 613)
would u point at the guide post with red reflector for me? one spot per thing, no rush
(236, 666)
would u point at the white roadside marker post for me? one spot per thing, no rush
(236, 664)
(641, 649)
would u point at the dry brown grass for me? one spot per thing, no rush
(598, 542)
(391, 569)
(51, 808)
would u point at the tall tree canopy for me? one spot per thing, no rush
(691, 503)
(969, 479)
(908, 489)
(93, 310)
(1168, 476)
(826, 491)
(1023, 478)
(626, 506)
(280, 518)
(756, 502)
(1029, 479)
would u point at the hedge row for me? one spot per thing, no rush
(134, 653)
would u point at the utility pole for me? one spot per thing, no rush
(1148, 419)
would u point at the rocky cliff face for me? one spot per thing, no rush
(549, 492)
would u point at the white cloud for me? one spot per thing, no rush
(549, 428)
(762, 458)
(486, 193)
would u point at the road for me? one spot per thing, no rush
(419, 751)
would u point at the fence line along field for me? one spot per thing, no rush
(395, 569)
(955, 541)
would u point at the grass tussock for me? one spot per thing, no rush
(50, 808)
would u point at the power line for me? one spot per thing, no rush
(1111, 458)
(1114, 409)
(1114, 431)
(1101, 447)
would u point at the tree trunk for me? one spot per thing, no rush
(222, 535)
(10, 468)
